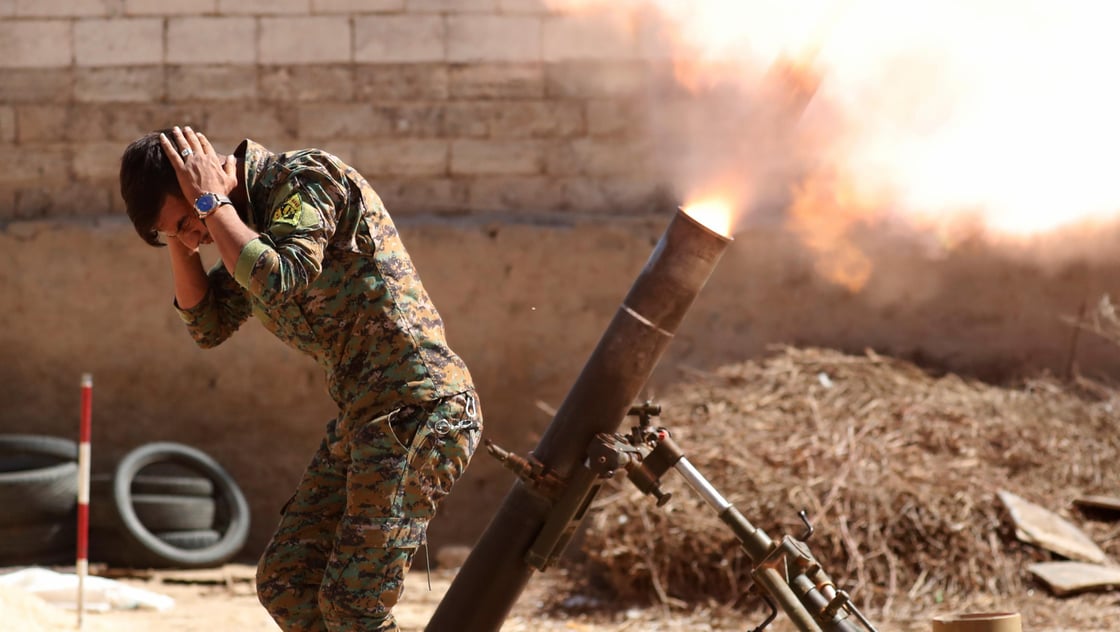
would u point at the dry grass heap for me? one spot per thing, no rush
(898, 470)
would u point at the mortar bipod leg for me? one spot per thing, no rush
(770, 568)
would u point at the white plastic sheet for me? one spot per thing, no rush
(101, 594)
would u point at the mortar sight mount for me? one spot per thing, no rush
(785, 572)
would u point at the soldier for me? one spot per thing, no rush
(308, 248)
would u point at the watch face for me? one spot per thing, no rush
(206, 202)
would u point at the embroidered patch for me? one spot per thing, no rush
(288, 212)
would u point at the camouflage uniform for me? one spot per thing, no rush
(329, 276)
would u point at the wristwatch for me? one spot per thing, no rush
(208, 202)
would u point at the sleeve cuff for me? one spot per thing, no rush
(194, 314)
(247, 260)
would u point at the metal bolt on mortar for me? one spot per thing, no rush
(543, 509)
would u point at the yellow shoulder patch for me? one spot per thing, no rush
(289, 211)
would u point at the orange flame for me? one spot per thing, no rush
(716, 214)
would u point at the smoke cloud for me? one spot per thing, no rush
(961, 120)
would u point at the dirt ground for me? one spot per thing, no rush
(222, 600)
(1013, 438)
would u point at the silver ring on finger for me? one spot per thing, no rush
(186, 151)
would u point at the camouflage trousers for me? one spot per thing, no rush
(347, 537)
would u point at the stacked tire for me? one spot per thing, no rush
(165, 505)
(38, 499)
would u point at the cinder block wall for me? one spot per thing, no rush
(513, 148)
(448, 105)
(466, 115)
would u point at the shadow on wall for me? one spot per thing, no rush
(524, 303)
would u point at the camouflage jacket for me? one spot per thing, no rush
(329, 275)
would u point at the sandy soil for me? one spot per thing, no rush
(223, 600)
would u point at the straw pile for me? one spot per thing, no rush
(897, 469)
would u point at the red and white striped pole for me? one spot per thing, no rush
(83, 491)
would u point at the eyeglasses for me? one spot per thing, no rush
(180, 226)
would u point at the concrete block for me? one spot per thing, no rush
(259, 120)
(97, 161)
(211, 40)
(36, 85)
(399, 38)
(59, 8)
(359, 120)
(264, 7)
(617, 117)
(42, 123)
(599, 157)
(312, 82)
(357, 6)
(116, 84)
(536, 7)
(410, 120)
(335, 120)
(125, 122)
(91, 122)
(118, 41)
(497, 81)
(304, 40)
(497, 157)
(35, 43)
(277, 143)
(493, 38)
(165, 8)
(406, 195)
(401, 82)
(77, 122)
(42, 165)
(411, 157)
(465, 120)
(68, 199)
(626, 195)
(7, 201)
(601, 36)
(212, 83)
(7, 124)
(594, 79)
(523, 194)
(514, 119)
(451, 6)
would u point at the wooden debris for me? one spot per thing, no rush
(227, 574)
(1069, 578)
(1041, 527)
(1106, 503)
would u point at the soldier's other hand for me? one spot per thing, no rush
(198, 167)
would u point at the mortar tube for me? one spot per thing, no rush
(495, 573)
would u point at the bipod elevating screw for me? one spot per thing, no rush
(644, 412)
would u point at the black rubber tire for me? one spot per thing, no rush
(173, 513)
(38, 479)
(157, 512)
(57, 448)
(102, 485)
(39, 544)
(191, 540)
(230, 505)
(111, 546)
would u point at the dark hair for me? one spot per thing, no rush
(147, 178)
